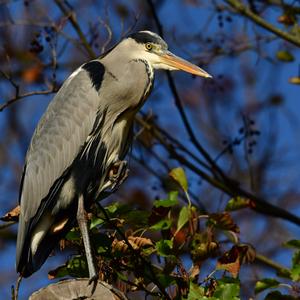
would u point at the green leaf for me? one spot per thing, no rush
(164, 247)
(264, 284)
(179, 176)
(95, 222)
(228, 289)
(77, 267)
(73, 235)
(102, 242)
(165, 280)
(112, 208)
(183, 218)
(196, 292)
(173, 196)
(295, 273)
(147, 251)
(162, 225)
(122, 276)
(137, 217)
(295, 270)
(237, 203)
(62, 273)
(171, 201)
(59, 272)
(296, 258)
(276, 295)
(285, 56)
(292, 244)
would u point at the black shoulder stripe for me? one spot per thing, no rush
(96, 72)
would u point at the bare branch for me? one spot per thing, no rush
(77, 28)
(242, 9)
(281, 270)
(19, 97)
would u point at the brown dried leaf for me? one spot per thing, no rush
(286, 19)
(136, 243)
(157, 214)
(33, 73)
(249, 255)
(224, 221)
(140, 241)
(211, 287)
(12, 215)
(194, 271)
(231, 260)
(181, 236)
(120, 246)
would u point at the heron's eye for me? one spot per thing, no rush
(149, 46)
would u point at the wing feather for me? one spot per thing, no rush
(58, 138)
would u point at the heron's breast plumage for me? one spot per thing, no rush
(124, 90)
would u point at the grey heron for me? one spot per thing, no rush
(78, 148)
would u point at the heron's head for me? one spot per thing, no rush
(151, 47)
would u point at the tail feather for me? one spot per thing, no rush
(39, 243)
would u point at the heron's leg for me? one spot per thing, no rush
(118, 174)
(82, 222)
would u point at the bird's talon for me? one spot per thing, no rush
(117, 174)
(93, 279)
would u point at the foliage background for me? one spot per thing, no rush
(246, 118)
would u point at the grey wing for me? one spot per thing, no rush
(57, 140)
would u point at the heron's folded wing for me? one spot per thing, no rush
(58, 138)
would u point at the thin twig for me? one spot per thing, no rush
(178, 144)
(109, 35)
(242, 9)
(77, 28)
(281, 270)
(7, 224)
(132, 26)
(19, 97)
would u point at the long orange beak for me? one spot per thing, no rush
(178, 63)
